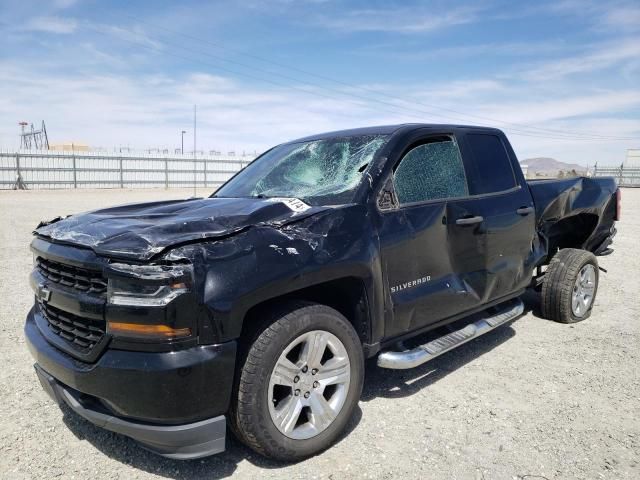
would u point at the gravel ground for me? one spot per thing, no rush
(535, 399)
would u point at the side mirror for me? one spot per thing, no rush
(386, 197)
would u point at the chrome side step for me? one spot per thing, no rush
(429, 351)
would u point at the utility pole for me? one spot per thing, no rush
(195, 163)
(182, 143)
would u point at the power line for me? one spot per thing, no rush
(398, 109)
(244, 74)
(517, 127)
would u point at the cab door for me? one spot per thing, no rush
(506, 205)
(433, 245)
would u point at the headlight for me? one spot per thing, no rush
(148, 286)
(124, 292)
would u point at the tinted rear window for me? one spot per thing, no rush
(492, 170)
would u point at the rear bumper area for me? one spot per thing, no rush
(172, 402)
(181, 442)
(603, 249)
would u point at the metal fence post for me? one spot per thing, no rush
(19, 183)
(166, 173)
(121, 174)
(620, 174)
(205, 173)
(75, 172)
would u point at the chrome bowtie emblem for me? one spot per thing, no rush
(43, 292)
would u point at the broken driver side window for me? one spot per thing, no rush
(430, 171)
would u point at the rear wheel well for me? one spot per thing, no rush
(346, 295)
(571, 232)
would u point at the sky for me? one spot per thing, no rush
(562, 77)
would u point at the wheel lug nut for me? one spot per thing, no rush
(314, 371)
(304, 369)
(297, 393)
(296, 379)
(315, 384)
(306, 394)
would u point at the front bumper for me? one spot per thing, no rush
(181, 442)
(172, 402)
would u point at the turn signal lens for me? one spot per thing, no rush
(151, 332)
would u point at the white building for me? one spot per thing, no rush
(633, 158)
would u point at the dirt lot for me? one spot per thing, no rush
(535, 399)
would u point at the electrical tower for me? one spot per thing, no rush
(33, 139)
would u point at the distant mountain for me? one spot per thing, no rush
(550, 167)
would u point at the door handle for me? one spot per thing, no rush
(524, 210)
(469, 220)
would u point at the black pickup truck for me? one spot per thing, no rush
(258, 305)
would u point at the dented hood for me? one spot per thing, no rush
(140, 231)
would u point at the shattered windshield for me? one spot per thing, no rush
(321, 172)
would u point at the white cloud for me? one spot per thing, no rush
(493, 49)
(115, 102)
(64, 3)
(150, 110)
(626, 18)
(418, 50)
(600, 58)
(612, 16)
(145, 111)
(536, 111)
(51, 24)
(135, 35)
(587, 153)
(98, 57)
(399, 19)
(456, 90)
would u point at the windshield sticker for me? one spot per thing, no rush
(295, 204)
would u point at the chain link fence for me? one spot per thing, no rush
(47, 169)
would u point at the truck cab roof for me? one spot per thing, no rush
(391, 129)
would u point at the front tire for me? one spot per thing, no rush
(299, 383)
(570, 285)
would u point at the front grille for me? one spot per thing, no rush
(82, 332)
(82, 279)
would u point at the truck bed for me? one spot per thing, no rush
(577, 207)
